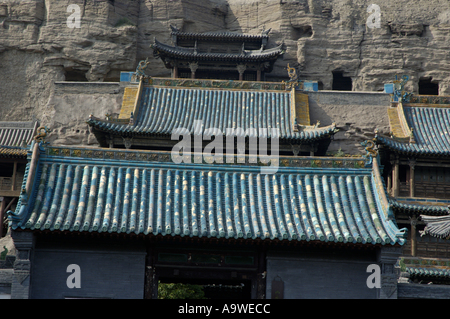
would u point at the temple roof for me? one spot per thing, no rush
(430, 125)
(16, 133)
(221, 36)
(428, 273)
(421, 206)
(14, 137)
(436, 226)
(192, 54)
(12, 152)
(163, 110)
(106, 191)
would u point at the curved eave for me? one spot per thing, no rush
(410, 148)
(219, 36)
(13, 152)
(129, 130)
(187, 53)
(416, 209)
(418, 272)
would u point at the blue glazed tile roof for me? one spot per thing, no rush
(192, 54)
(428, 272)
(13, 152)
(16, 134)
(302, 204)
(425, 206)
(162, 110)
(431, 129)
(436, 226)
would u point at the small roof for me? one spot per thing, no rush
(418, 206)
(211, 36)
(14, 138)
(17, 133)
(430, 126)
(88, 190)
(428, 273)
(192, 54)
(436, 226)
(13, 152)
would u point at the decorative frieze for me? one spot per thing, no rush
(153, 156)
(218, 84)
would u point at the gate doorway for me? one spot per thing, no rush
(168, 288)
(221, 273)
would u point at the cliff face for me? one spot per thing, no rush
(37, 47)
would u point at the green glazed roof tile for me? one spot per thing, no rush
(150, 198)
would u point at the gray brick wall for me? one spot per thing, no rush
(104, 273)
(316, 277)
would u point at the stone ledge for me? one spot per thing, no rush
(62, 88)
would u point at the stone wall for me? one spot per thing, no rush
(38, 48)
(319, 276)
(116, 273)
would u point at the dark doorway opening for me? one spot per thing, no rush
(210, 288)
(426, 87)
(75, 75)
(341, 82)
(320, 85)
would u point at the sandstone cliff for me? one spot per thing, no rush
(38, 48)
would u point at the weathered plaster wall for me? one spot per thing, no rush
(356, 114)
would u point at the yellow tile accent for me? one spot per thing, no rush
(394, 123)
(302, 109)
(129, 98)
(398, 124)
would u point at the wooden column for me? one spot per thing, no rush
(413, 236)
(395, 172)
(258, 75)
(412, 164)
(175, 72)
(151, 284)
(193, 66)
(13, 187)
(241, 69)
(389, 184)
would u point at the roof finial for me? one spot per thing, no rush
(42, 133)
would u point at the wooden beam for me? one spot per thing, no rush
(10, 193)
(412, 164)
(10, 203)
(395, 186)
(175, 72)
